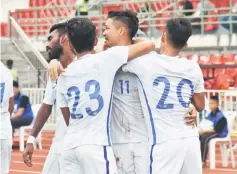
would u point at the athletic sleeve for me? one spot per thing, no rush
(10, 87)
(24, 101)
(62, 101)
(199, 87)
(116, 57)
(49, 97)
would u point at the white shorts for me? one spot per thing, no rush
(180, 156)
(132, 158)
(53, 162)
(5, 155)
(89, 159)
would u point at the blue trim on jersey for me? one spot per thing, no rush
(150, 114)
(151, 158)
(106, 159)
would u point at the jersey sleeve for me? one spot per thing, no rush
(62, 101)
(10, 87)
(49, 97)
(133, 66)
(116, 57)
(199, 87)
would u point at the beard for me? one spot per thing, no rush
(55, 52)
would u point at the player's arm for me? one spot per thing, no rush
(139, 48)
(64, 107)
(11, 94)
(11, 105)
(41, 118)
(66, 114)
(198, 99)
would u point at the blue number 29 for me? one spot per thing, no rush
(161, 103)
(95, 95)
(2, 88)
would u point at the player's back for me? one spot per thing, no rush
(6, 92)
(87, 87)
(169, 84)
(127, 118)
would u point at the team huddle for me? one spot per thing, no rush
(124, 110)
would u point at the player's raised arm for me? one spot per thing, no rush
(139, 48)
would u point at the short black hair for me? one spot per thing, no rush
(60, 27)
(15, 84)
(215, 98)
(129, 18)
(81, 33)
(9, 62)
(179, 30)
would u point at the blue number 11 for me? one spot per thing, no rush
(121, 86)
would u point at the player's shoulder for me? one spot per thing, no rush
(5, 73)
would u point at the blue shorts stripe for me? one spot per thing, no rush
(151, 158)
(106, 160)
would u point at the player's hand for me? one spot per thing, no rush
(54, 69)
(27, 155)
(191, 119)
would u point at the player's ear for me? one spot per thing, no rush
(96, 41)
(121, 31)
(62, 39)
(163, 37)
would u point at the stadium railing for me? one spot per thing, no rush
(152, 14)
(228, 101)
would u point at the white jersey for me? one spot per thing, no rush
(6, 92)
(86, 88)
(167, 86)
(51, 99)
(127, 119)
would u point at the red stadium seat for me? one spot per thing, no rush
(228, 59)
(194, 57)
(219, 71)
(144, 26)
(161, 20)
(110, 7)
(96, 22)
(216, 59)
(203, 60)
(4, 29)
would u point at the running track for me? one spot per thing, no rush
(18, 167)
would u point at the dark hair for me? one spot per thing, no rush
(60, 27)
(215, 98)
(81, 33)
(129, 18)
(9, 62)
(179, 30)
(15, 84)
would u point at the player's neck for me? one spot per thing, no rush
(79, 55)
(124, 42)
(171, 52)
(66, 59)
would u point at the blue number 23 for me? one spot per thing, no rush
(95, 95)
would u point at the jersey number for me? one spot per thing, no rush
(161, 103)
(2, 87)
(94, 95)
(122, 88)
